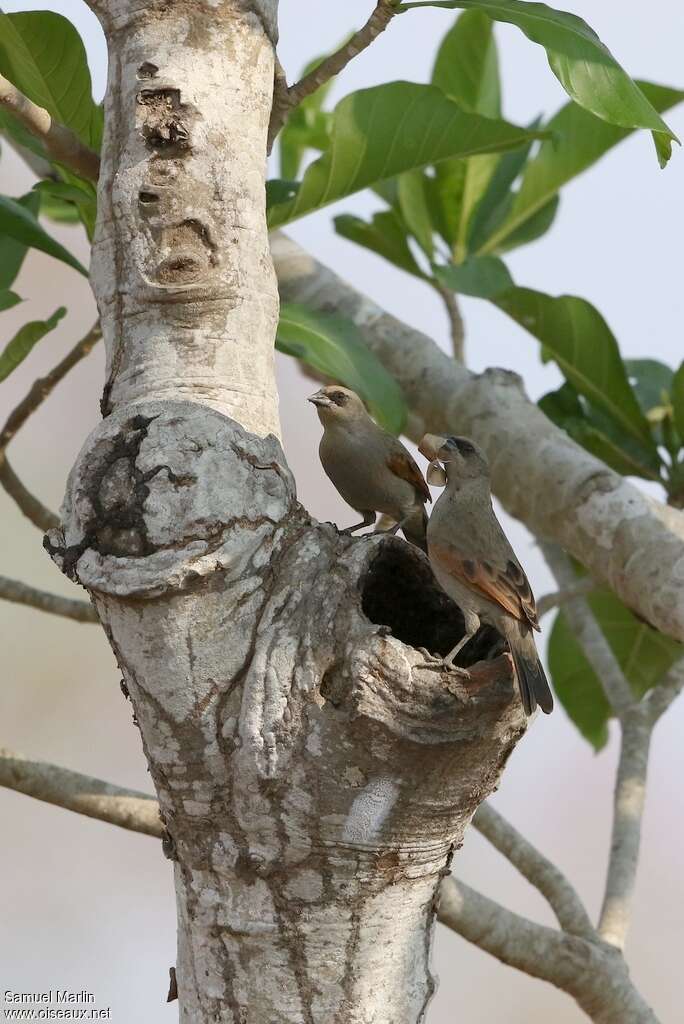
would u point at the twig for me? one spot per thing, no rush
(588, 633)
(285, 100)
(658, 700)
(583, 586)
(537, 869)
(126, 808)
(60, 142)
(21, 593)
(43, 386)
(628, 809)
(456, 326)
(33, 509)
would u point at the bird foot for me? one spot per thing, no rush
(440, 665)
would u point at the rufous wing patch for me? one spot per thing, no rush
(509, 588)
(401, 464)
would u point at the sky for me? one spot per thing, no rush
(90, 906)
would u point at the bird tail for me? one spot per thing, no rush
(415, 526)
(532, 681)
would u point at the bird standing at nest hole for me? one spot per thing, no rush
(477, 567)
(370, 468)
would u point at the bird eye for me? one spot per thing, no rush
(465, 447)
(339, 397)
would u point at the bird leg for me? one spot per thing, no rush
(368, 520)
(447, 662)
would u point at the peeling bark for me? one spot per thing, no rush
(314, 773)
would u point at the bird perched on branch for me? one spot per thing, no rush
(476, 566)
(370, 468)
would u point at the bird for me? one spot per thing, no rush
(370, 468)
(476, 566)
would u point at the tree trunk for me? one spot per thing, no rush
(314, 773)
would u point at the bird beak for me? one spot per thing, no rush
(320, 399)
(436, 475)
(431, 445)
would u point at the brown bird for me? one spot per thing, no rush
(370, 468)
(476, 566)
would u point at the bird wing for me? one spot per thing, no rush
(506, 586)
(403, 465)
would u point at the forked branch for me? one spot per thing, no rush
(286, 99)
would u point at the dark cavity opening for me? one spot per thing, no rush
(147, 70)
(400, 591)
(147, 198)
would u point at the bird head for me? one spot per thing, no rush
(337, 405)
(461, 457)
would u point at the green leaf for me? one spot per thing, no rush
(21, 225)
(678, 400)
(42, 54)
(381, 132)
(497, 200)
(598, 433)
(7, 300)
(23, 341)
(12, 252)
(69, 202)
(307, 126)
(583, 346)
(384, 235)
(335, 348)
(445, 198)
(580, 61)
(644, 655)
(578, 140)
(484, 277)
(413, 203)
(533, 228)
(651, 382)
(576, 685)
(467, 70)
(467, 66)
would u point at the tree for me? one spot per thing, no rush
(314, 778)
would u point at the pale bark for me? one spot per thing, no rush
(314, 775)
(626, 539)
(22, 593)
(593, 972)
(91, 797)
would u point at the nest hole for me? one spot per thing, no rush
(400, 591)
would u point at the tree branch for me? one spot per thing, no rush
(60, 142)
(583, 586)
(659, 699)
(537, 869)
(628, 809)
(582, 968)
(44, 386)
(593, 973)
(32, 508)
(286, 99)
(126, 808)
(591, 511)
(588, 633)
(456, 326)
(21, 593)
